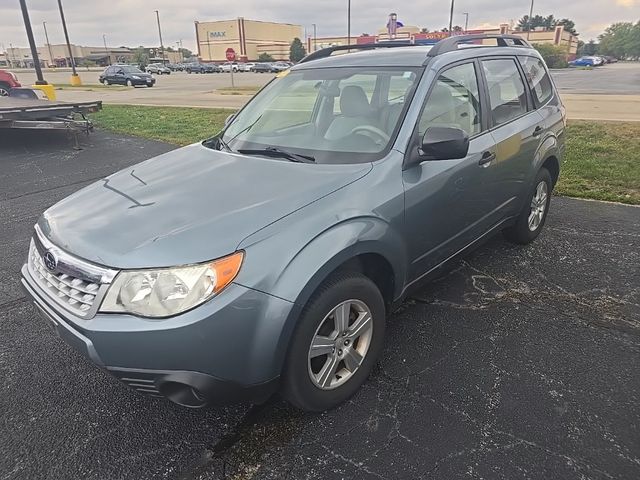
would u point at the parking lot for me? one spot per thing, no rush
(610, 92)
(520, 362)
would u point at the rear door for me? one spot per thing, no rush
(516, 127)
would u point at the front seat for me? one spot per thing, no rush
(355, 109)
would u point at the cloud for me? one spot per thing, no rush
(133, 23)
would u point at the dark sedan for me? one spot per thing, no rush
(126, 75)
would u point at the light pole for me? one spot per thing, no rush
(106, 50)
(530, 18)
(466, 21)
(209, 44)
(451, 18)
(179, 46)
(12, 57)
(32, 43)
(349, 22)
(46, 35)
(75, 79)
(315, 38)
(160, 34)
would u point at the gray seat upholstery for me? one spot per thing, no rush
(355, 111)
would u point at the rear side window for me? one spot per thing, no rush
(506, 90)
(538, 79)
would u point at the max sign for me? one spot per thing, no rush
(217, 34)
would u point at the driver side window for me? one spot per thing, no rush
(454, 101)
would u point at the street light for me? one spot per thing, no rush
(32, 44)
(466, 21)
(530, 15)
(160, 34)
(451, 18)
(349, 22)
(106, 50)
(315, 38)
(46, 35)
(75, 79)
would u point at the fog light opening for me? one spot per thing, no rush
(183, 394)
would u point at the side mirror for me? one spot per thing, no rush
(229, 119)
(444, 143)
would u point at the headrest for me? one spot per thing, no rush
(354, 102)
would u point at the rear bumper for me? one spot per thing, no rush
(221, 352)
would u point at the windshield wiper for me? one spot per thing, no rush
(277, 152)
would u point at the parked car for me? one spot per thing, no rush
(246, 66)
(279, 66)
(609, 59)
(158, 69)
(261, 68)
(202, 68)
(270, 256)
(126, 75)
(231, 66)
(174, 67)
(8, 80)
(582, 62)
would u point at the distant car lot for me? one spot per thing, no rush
(582, 90)
(519, 363)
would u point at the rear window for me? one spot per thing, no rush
(538, 79)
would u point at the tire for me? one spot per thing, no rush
(303, 384)
(4, 89)
(107, 82)
(529, 223)
(129, 83)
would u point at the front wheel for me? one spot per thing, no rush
(339, 337)
(534, 212)
(129, 83)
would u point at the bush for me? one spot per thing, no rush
(554, 56)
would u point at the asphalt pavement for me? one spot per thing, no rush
(519, 363)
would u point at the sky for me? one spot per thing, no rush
(132, 23)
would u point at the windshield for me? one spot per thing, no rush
(333, 115)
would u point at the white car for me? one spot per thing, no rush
(246, 67)
(231, 66)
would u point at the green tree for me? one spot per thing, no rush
(554, 56)
(265, 57)
(549, 22)
(621, 40)
(140, 57)
(590, 48)
(186, 53)
(297, 51)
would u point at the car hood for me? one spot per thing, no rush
(190, 205)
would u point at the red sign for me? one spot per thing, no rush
(231, 54)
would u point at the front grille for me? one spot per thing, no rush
(75, 284)
(77, 294)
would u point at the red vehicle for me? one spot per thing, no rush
(8, 81)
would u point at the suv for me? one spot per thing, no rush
(202, 68)
(126, 75)
(8, 80)
(158, 69)
(270, 256)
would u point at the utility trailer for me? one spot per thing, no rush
(37, 114)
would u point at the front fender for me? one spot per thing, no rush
(296, 276)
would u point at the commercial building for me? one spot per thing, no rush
(557, 36)
(248, 39)
(58, 55)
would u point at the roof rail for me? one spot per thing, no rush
(326, 52)
(450, 44)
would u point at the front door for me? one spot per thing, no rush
(447, 204)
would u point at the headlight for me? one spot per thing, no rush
(135, 77)
(164, 292)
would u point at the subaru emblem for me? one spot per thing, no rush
(50, 261)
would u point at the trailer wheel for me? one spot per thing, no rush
(4, 89)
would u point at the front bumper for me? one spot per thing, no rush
(144, 81)
(223, 351)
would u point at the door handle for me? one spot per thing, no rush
(537, 131)
(487, 157)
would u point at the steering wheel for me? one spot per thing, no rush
(372, 132)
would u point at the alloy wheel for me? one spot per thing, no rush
(538, 206)
(4, 92)
(340, 344)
